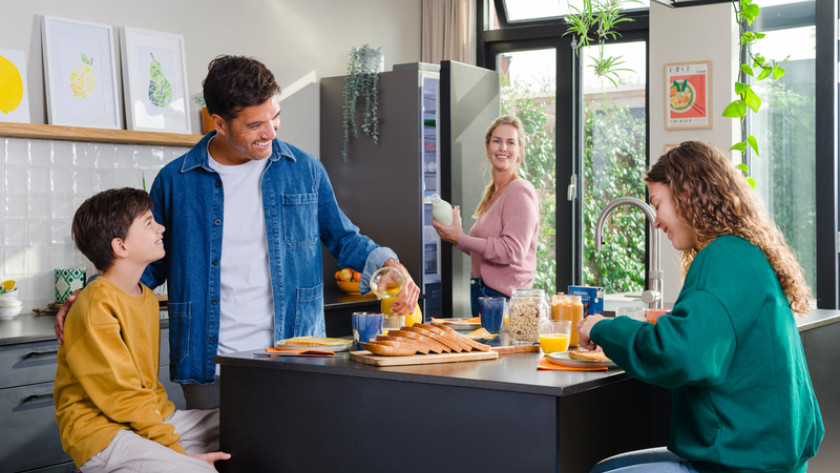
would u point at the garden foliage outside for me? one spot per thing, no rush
(614, 163)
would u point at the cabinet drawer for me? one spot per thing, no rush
(29, 431)
(28, 363)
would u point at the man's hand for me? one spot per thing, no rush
(62, 314)
(406, 300)
(212, 457)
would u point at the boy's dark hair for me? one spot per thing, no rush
(236, 82)
(105, 216)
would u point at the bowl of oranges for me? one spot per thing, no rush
(348, 280)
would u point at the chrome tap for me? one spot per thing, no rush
(653, 295)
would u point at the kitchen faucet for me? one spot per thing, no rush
(653, 295)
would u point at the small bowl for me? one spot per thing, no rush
(9, 312)
(350, 287)
(9, 296)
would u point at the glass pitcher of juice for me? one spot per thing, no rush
(386, 283)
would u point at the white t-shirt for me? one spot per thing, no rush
(247, 304)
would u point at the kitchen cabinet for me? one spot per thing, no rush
(432, 124)
(29, 433)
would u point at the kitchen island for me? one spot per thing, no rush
(334, 414)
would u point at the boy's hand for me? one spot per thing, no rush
(62, 314)
(212, 457)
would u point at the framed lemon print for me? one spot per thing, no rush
(688, 95)
(80, 74)
(155, 81)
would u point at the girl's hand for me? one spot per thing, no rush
(584, 327)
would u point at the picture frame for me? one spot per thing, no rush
(80, 73)
(688, 95)
(14, 96)
(154, 71)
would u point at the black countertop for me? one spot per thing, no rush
(30, 327)
(515, 372)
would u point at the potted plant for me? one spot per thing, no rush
(361, 86)
(598, 18)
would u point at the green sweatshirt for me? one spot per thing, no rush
(742, 399)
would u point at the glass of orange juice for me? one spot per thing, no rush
(554, 335)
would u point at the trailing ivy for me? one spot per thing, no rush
(361, 82)
(752, 65)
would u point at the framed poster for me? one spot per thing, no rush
(80, 74)
(688, 95)
(14, 93)
(155, 80)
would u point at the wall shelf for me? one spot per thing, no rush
(99, 135)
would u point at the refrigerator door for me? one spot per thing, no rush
(469, 102)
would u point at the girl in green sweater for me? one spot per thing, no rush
(742, 399)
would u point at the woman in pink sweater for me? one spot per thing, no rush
(502, 243)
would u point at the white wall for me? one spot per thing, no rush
(681, 35)
(44, 181)
(299, 40)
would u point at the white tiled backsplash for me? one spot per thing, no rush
(44, 182)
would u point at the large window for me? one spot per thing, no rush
(597, 133)
(785, 129)
(587, 139)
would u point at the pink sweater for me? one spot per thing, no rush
(503, 242)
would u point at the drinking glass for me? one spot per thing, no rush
(554, 335)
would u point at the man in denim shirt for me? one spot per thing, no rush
(245, 214)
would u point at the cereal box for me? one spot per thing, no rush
(592, 298)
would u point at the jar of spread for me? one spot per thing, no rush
(527, 307)
(568, 307)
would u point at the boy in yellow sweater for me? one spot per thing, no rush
(112, 412)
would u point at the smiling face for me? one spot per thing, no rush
(682, 235)
(144, 240)
(249, 135)
(504, 148)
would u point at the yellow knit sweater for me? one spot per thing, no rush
(107, 376)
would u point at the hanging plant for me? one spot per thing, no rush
(361, 85)
(752, 65)
(598, 18)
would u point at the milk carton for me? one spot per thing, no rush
(592, 298)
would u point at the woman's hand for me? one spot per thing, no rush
(406, 300)
(584, 327)
(450, 233)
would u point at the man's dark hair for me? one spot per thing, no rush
(236, 82)
(105, 216)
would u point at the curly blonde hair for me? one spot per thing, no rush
(713, 197)
(520, 130)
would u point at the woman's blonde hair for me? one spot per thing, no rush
(713, 197)
(520, 130)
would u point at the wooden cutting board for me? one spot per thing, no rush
(368, 358)
(504, 350)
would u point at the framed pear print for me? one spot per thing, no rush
(155, 81)
(80, 74)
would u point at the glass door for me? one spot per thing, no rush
(614, 153)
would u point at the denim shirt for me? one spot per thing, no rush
(300, 213)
